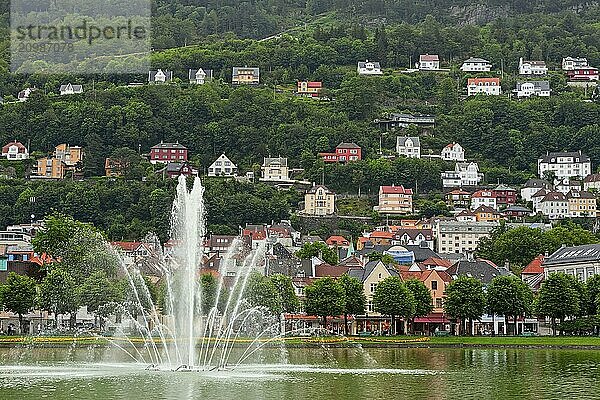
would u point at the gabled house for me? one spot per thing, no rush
(369, 68)
(464, 174)
(476, 65)
(505, 195)
(533, 88)
(337, 241)
(453, 152)
(480, 269)
(275, 169)
(532, 67)
(319, 200)
(175, 169)
(429, 62)
(160, 76)
(394, 200)
(581, 204)
(200, 76)
(466, 216)
(532, 186)
(489, 86)
(413, 237)
(516, 212)
(168, 152)
(408, 146)
(486, 214)
(373, 273)
(15, 151)
(571, 63)
(309, 88)
(70, 89)
(245, 76)
(222, 166)
(554, 205)
(537, 198)
(24, 94)
(483, 198)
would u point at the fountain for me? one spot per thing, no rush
(199, 327)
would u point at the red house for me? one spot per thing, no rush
(583, 74)
(168, 152)
(505, 195)
(309, 88)
(344, 152)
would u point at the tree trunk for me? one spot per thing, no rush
(470, 326)
(516, 327)
(553, 322)
(20, 324)
(325, 322)
(393, 327)
(493, 324)
(346, 324)
(506, 330)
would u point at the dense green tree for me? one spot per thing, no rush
(285, 292)
(19, 295)
(318, 249)
(355, 299)
(58, 294)
(509, 296)
(593, 295)
(384, 258)
(465, 300)
(261, 292)
(423, 300)
(558, 298)
(96, 292)
(324, 298)
(393, 298)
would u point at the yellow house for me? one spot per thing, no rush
(486, 214)
(51, 168)
(319, 200)
(373, 273)
(581, 204)
(70, 155)
(245, 76)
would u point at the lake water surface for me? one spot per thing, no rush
(313, 373)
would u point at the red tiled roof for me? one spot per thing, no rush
(339, 240)
(411, 275)
(381, 235)
(396, 190)
(483, 193)
(256, 235)
(19, 145)
(437, 262)
(315, 84)
(535, 266)
(429, 57)
(477, 81)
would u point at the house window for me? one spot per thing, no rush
(373, 287)
(434, 285)
(438, 303)
(370, 307)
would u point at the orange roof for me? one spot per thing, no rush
(340, 240)
(381, 235)
(535, 266)
(256, 235)
(363, 239)
(411, 275)
(483, 193)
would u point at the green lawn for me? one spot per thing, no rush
(502, 340)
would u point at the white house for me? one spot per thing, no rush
(533, 88)
(464, 174)
(453, 152)
(554, 205)
(582, 262)
(15, 151)
(275, 169)
(369, 68)
(429, 62)
(532, 186)
(160, 76)
(199, 76)
(70, 89)
(483, 198)
(489, 86)
(460, 237)
(532, 67)
(24, 94)
(476, 65)
(565, 165)
(408, 146)
(222, 166)
(571, 63)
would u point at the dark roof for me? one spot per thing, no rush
(580, 194)
(540, 85)
(592, 178)
(314, 189)
(548, 157)
(575, 254)
(554, 196)
(421, 253)
(538, 183)
(480, 269)
(515, 208)
(362, 273)
(162, 145)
